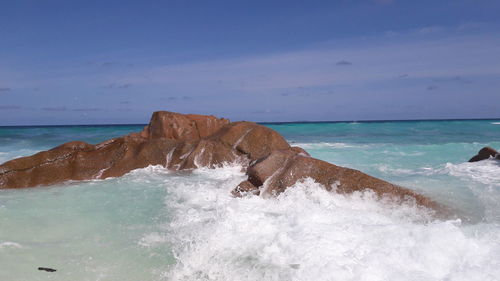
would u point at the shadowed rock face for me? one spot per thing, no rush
(485, 153)
(178, 142)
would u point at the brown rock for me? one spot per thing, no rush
(240, 141)
(273, 164)
(43, 168)
(133, 153)
(174, 140)
(249, 138)
(171, 139)
(244, 188)
(171, 125)
(300, 151)
(485, 153)
(167, 133)
(82, 161)
(202, 153)
(283, 168)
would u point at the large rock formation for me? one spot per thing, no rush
(485, 153)
(174, 140)
(179, 141)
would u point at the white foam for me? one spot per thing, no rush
(308, 233)
(486, 171)
(16, 153)
(318, 145)
(153, 239)
(424, 171)
(12, 245)
(401, 153)
(496, 123)
(484, 183)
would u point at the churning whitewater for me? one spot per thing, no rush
(154, 224)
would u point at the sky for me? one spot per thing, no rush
(115, 62)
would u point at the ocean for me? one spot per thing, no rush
(154, 224)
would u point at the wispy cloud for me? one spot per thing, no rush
(114, 64)
(266, 111)
(179, 98)
(383, 1)
(108, 64)
(91, 109)
(306, 92)
(430, 30)
(57, 108)
(9, 107)
(124, 86)
(117, 86)
(5, 89)
(379, 61)
(361, 75)
(453, 79)
(344, 62)
(471, 26)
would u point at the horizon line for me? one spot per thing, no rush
(265, 122)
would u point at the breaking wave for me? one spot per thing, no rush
(307, 233)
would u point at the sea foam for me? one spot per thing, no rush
(308, 233)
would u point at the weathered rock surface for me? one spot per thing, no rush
(171, 125)
(174, 140)
(251, 139)
(178, 142)
(83, 161)
(485, 153)
(283, 168)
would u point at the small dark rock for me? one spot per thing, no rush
(485, 153)
(48, 269)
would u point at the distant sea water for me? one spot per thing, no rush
(154, 224)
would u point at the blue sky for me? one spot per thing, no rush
(95, 62)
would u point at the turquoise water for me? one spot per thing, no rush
(154, 224)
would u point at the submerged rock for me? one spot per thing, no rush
(178, 141)
(485, 153)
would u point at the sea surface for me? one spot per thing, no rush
(154, 224)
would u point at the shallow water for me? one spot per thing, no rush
(154, 224)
